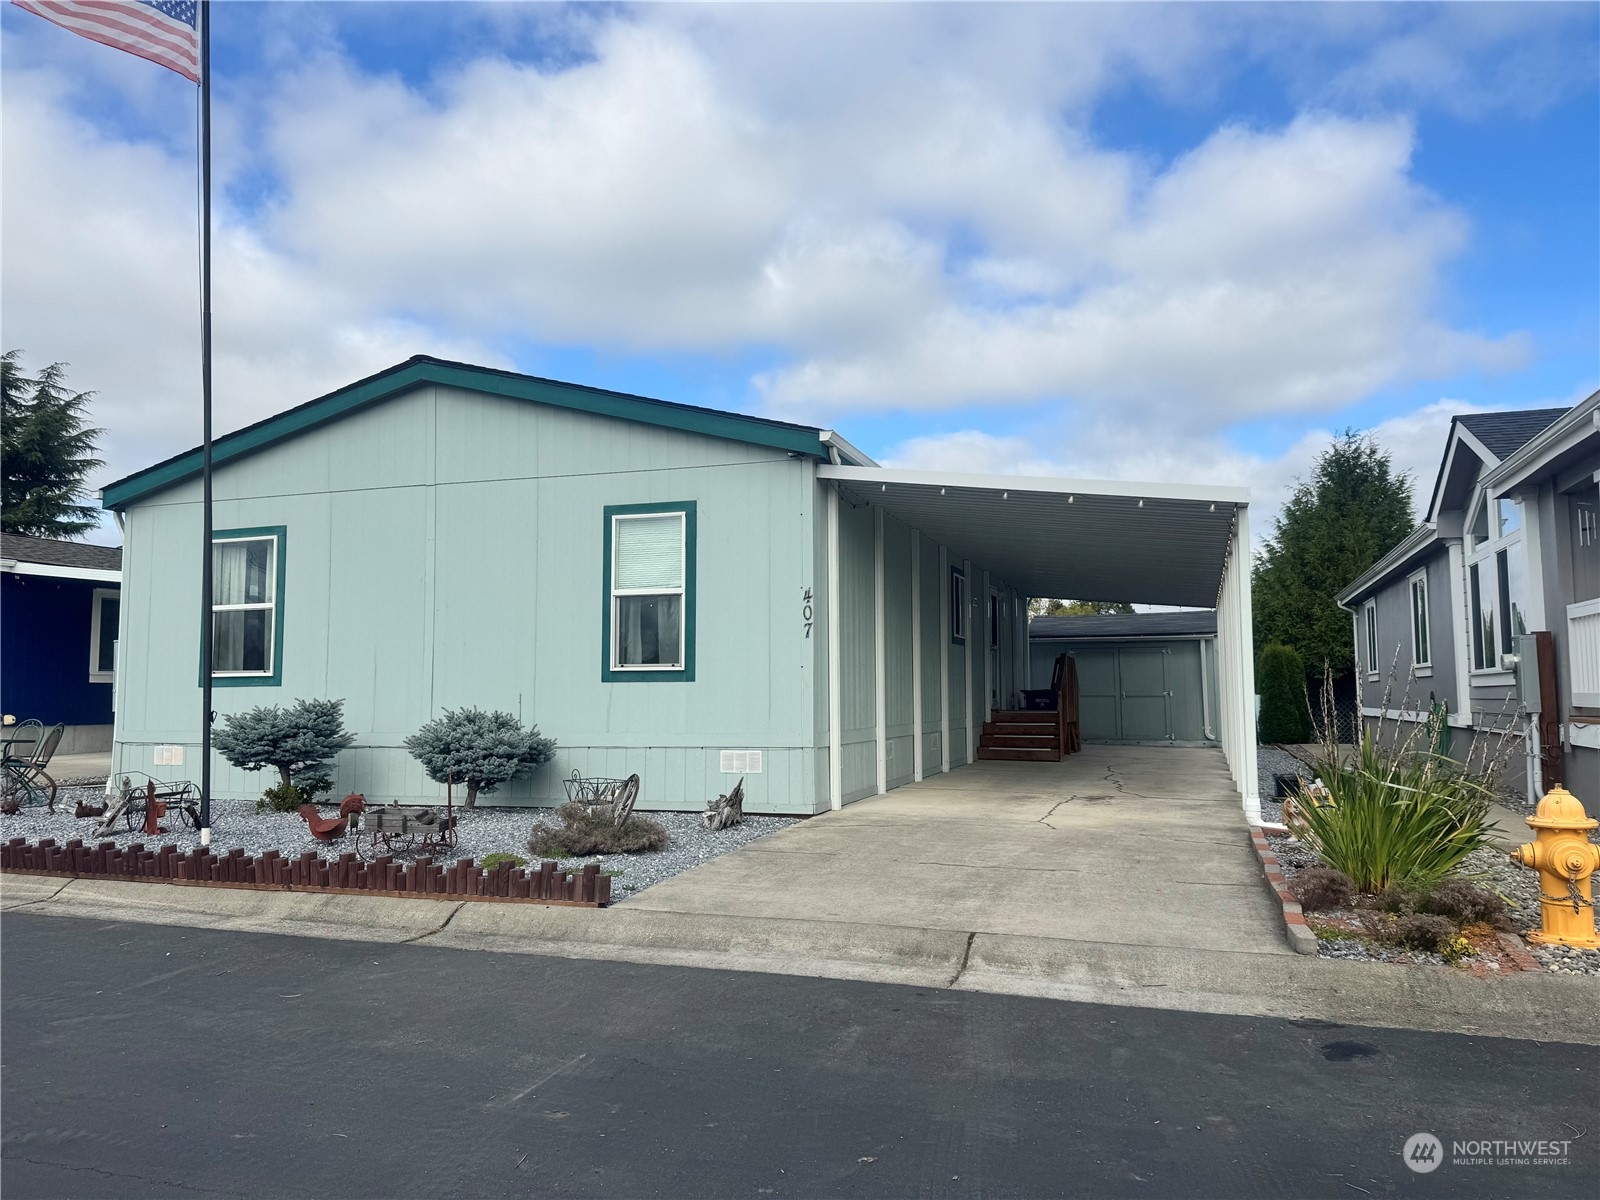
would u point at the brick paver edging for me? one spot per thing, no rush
(1294, 919)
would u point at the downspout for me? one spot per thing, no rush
(1205, 693)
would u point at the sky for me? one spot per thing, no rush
(1137, 241)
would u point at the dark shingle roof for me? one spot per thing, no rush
(1126, 625)
(1504, 433)
(49, 552)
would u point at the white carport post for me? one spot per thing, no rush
(943, 593)
(835, 686)
(1236, 674)
(916, 657)
(966, 682)
(880, 667)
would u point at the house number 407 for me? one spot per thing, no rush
(806, 612)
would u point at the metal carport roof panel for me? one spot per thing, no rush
(1088, 540)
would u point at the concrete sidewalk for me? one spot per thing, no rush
(1123, 876)
(1544, 1006)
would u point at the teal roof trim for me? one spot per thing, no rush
(422, 370)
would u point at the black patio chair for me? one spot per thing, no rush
(26, 780)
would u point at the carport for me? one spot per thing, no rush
(1152, 543)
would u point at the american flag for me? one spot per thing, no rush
(164, 31)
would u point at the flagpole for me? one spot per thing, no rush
(206, 622)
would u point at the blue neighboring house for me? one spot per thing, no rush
(59, 609)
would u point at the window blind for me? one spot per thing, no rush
(648, 553)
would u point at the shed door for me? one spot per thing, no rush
(1146, 703)
(1099, 715)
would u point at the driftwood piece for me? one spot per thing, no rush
(622, 799)
(116, 809)
(85, 809)
(726, 811)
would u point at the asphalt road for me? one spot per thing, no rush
(145, 1060)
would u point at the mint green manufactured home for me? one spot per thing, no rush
(688, 594)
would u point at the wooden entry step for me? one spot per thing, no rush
(1013, 755)
(1021, 735)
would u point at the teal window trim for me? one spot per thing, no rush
(281, 533)
(960, 605)
(685, 673)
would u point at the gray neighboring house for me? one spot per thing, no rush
(1143, 678)
(1510, 545)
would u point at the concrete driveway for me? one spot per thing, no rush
(1125, 845)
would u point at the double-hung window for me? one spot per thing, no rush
(247, 606)
(958, 605)
(649, 583)
(1370, 619)
(103, 634)
(1421, 653)
(1496, 582)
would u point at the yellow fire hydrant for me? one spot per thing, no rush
(1566, 861)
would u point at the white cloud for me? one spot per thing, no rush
(1116, 450)
(100, 270)
(1263, 272)
(905, 206)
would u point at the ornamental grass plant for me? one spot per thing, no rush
(1397, 811)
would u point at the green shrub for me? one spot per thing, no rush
(583, 832)
(284, 798)
(1285, 710)
(1389, 817)
(300, 742)
(491, 861)
(478, 750)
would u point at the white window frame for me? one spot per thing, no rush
(1369, 627)
(681, 591)
(1421, 649)
(97, 673)
(270, 606)
(1482, 559)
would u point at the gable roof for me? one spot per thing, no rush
(1572, 436)
(1491, 438)
(52, 552)
(422, 369)
(1504, 433)
(1126, 625)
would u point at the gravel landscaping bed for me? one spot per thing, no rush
(1490, 868)
(481, 831)
(1270, 761)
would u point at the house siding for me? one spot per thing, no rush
(445, 549)
(1558, 576)
(44, 651)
